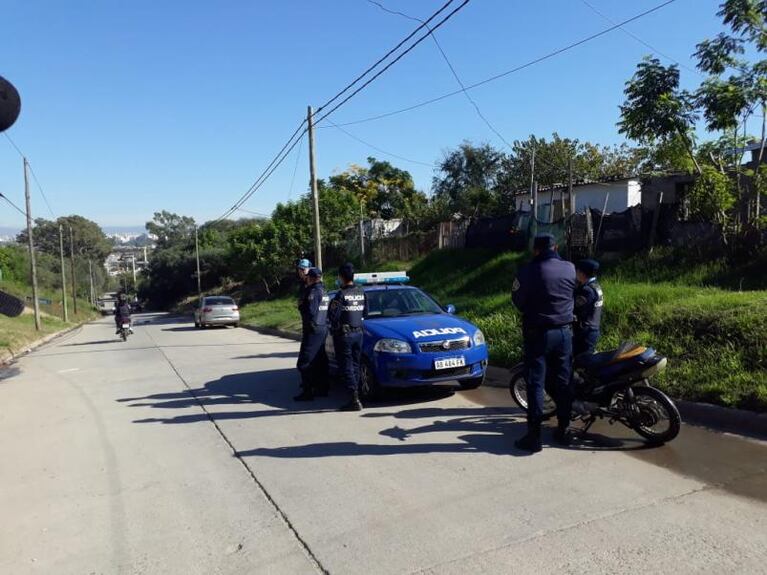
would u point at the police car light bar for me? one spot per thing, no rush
(381, 278)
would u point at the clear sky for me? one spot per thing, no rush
(133, 107)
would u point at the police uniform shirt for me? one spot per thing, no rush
(347, 308)
(589, 301)
(544, 291)
(314, 307)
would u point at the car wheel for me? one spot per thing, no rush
(472, 383)
(236, 325)
(369, 386)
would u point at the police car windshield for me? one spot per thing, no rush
(398, 302)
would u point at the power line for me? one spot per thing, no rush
(32, 171)
(18, 209)
(368, 144)
(513, 70)
(638, 39)
(384, 57)
(452, 70)
(397, 59)
(292, 142)
(295, 169)
(259, 214)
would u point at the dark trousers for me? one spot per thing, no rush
(348, 347)
(585, 341)
(548, 359)
(312, 362)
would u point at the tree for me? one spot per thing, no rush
(467, 180)
(90, 242)
(711, 197)
(171, 229)
(656, 112)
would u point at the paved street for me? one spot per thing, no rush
(182, 452)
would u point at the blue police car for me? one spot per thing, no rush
(410, 340)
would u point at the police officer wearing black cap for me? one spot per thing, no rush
(346, 311)
(544, 292)
(589, 301)
(312, 361)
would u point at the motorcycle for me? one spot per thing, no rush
(614, 385)
(125, 330)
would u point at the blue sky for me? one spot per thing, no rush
(134, 107)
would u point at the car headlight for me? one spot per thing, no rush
(479, 337)
(392, 346)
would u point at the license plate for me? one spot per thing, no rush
(126, 325)
(449, 362)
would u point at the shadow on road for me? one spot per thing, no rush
(286, 354)
(99, 342)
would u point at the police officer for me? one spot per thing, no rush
(589, 301)
(346, 311)
(302, 268)
(544, 292)
(312, 360)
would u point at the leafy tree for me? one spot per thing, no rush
(657, 113)
(712, 195)
(171, 229)
(90, 242)
(467, 179)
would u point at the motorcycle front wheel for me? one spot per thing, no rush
(655, 416)
(518, 391)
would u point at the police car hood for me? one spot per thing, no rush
(419, 328)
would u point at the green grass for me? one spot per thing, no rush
(18, 332)
(715, 339)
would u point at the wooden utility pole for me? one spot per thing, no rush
(570, 193)
(33, 263)
(315, 193)
(90, 275)
(362, 235)
(532, 185)
(72, 262)
(197, 255)
(63, 274)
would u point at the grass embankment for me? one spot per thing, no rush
(716, 339)
(18, 332)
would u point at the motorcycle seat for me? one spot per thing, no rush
(597, 361)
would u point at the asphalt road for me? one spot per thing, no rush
(182, 452)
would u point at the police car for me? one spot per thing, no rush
(410, 340)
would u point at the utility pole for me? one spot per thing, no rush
(63, 274)
(532, 186)
(197, 254)
(133, 264)
(570, 194)
(33, 263)
(362, 236)
(315, 194)
(90, 275)
(72, 262)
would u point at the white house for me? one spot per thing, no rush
(610, 196)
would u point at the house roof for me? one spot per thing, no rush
(579, 183)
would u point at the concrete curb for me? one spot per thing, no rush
(7, 357)
(273, 331)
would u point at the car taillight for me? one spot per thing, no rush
(207, 309)
(235, 308)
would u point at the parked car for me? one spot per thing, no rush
(216, 310)
(409, 340)
(106, 303)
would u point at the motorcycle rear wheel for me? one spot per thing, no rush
(658, 419)
(124, 334)
(518, 391)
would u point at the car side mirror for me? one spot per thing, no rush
(450, 308)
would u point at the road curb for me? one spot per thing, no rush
(7, 357)
(273, 331)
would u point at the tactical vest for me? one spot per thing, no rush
(352, 302)
(590, 315)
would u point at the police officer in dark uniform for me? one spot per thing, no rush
(312, 360)
(544, 292)
(589, 301)
(346, 311)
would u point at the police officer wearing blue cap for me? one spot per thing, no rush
(312, 361)
(589, 301)
(544, 292)
(346, 312)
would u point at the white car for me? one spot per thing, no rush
(216, 310)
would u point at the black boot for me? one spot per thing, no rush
(532, 441)
(305, 395)
(353, 404)
(563, 436)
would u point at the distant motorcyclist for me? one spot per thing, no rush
(589, 301)
(122, 312)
